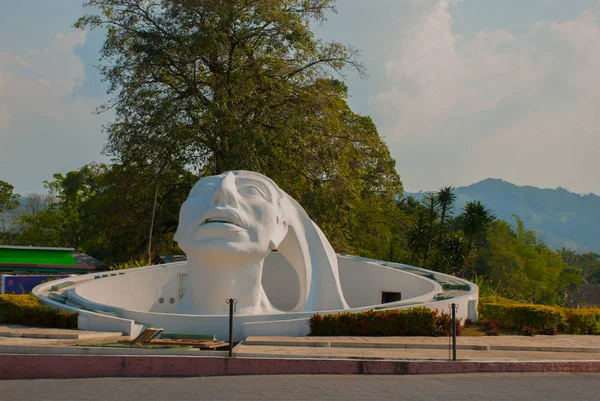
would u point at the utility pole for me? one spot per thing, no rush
(152, 226)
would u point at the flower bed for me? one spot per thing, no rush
(27, 310)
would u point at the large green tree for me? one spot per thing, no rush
(9, 201)
(217, 84)
(522, 267)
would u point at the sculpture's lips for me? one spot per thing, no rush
(222, 216)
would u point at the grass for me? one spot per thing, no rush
(477, 330)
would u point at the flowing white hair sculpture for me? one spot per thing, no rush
(313, 258)
(228, 226)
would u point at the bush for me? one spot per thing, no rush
(491, 328)
(27, 310)
(443, 324)
(513, 315)
(528, 331)
(549, 330)
(583, 321)
(418, 321)
(545, 319)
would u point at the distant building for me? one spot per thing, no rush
(23, 267)
(588, 295)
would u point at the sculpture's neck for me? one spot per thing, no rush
(214, 284)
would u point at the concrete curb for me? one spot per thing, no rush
(375, 345)
(78, 366)
(97, 351)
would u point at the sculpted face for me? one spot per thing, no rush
(232, 214)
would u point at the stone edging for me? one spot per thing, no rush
(78, 366)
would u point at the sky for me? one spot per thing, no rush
(461, 90)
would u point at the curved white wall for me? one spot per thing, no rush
(134, 296)
(363, 282)
(136, 289)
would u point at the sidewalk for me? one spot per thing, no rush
(407, 348)
(27, 352)
(14, 335)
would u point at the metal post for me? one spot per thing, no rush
(152, 226)
(231, 303)
(454, 332)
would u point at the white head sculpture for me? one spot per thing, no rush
(228, 226)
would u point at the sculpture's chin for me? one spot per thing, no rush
(217, 248)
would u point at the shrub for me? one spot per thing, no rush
(27, 310)
(443, 324)
(528, 331)
(418, 321)
(514, 315)
(549, 330)
(583, 321)
(130, 264)
(548, 319)
(490, 327)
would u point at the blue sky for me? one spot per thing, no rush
(461, 90)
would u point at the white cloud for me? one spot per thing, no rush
(522, 107)
(44, 127)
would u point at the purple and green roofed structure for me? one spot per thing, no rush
(40, 260)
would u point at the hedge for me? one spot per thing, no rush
(514, 315)
(583, 321)
(418, 321)
(27, 310)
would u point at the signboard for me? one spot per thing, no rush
(24, 284)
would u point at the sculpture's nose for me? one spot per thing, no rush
(226, 192)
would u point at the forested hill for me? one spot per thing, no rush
(559, 217)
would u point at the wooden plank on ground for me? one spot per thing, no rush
(188, 336)
(202, 344)
(147, 335)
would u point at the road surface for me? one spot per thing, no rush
(476, 387)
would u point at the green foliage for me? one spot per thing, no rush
(27, 310)
(417, 321)
(513, 315)
(562, 218)
(8, 199)
(130, 264)
(589, 264)
(519, 265)
(219, 85)
(216, 83)
(105, 211)
(541, 318)
(475, 221)
(583, 321)
(486, 287)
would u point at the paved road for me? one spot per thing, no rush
(477, 387)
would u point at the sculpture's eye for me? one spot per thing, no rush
(197, 190)
(251, 190)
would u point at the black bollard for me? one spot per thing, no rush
(231, 303)
(453, 306)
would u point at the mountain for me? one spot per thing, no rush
(560, 218)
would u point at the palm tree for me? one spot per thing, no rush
(431, 202)
(445, 198)
(416, 236)
(476, 219)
